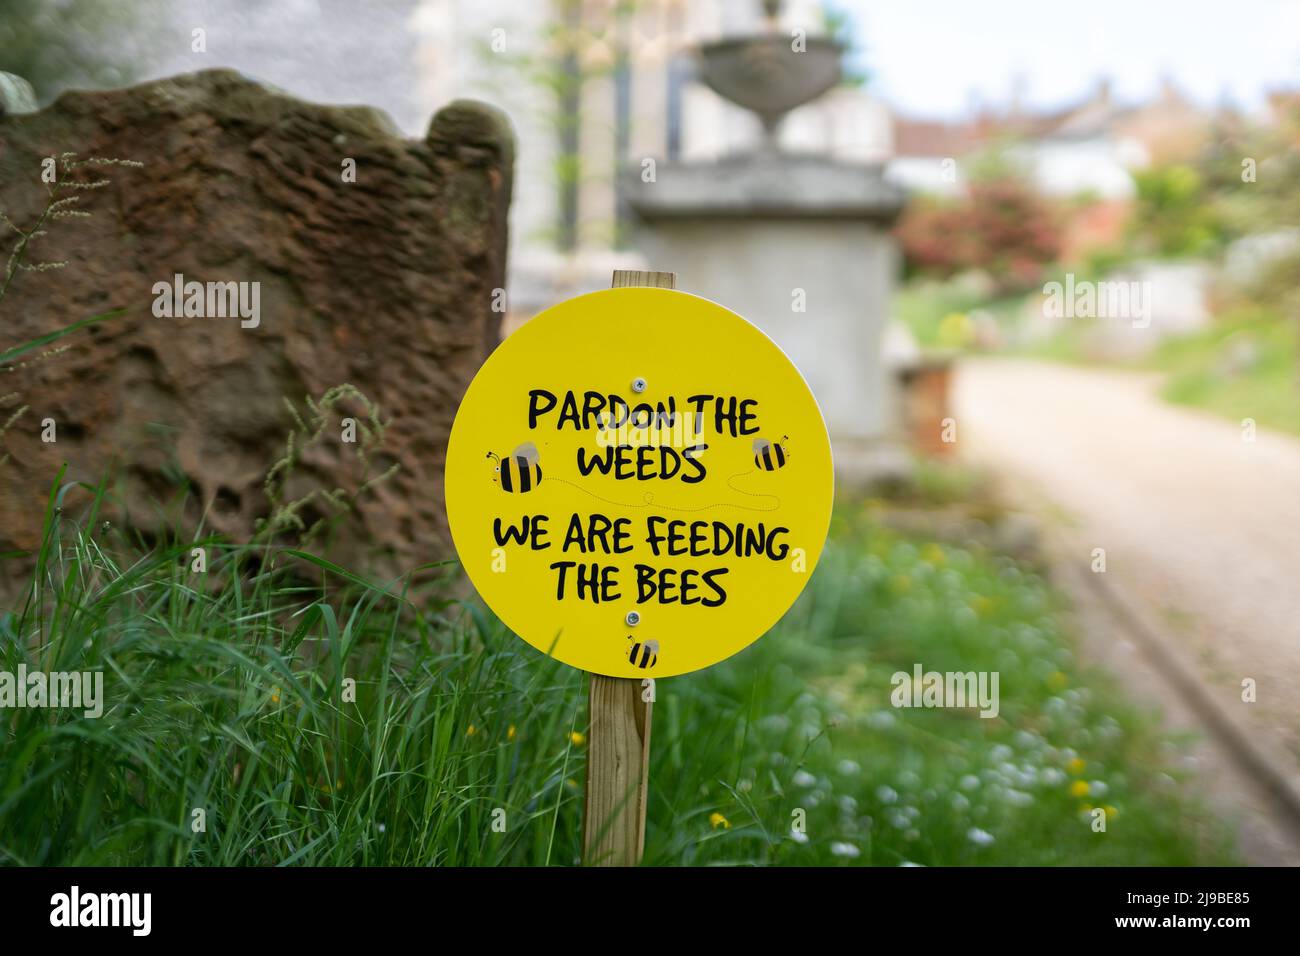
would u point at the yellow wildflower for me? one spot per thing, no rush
(1076, 765)
(470, 730)
(1079, 788)
(718, 820)
(577, 739)
(955, 329)
(510, 732)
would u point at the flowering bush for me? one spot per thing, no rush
(1000, 227)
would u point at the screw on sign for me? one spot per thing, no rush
(660, 477)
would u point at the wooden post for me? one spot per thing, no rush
(618, 737)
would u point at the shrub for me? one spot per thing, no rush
(1000, 227)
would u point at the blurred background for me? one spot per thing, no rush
(1041, 266)
(1032, 141)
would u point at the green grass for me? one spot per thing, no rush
(937, 312)
(225, 692)
(1200, 369)
(1200, 372)
(938, 483)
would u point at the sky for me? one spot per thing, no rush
(925, 58)
(933, 57)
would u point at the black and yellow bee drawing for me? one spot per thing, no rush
(643, 654)
(770, 455)
(521, 471)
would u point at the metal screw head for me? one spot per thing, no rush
(633, 618)
(638, 385)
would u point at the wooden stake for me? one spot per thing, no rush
(618, 737)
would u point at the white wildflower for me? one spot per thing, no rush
(1052, 776)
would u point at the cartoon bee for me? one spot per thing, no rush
(770, 455)
(520, 472)
(643, 654)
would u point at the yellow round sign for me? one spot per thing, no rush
(639, 482)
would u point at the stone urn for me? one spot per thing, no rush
(753, 227)
(770, 73)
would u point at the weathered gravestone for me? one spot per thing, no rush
(387, 283)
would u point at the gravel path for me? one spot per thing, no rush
(1200, 528)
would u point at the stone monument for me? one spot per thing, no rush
(796, 243)
(383, 281)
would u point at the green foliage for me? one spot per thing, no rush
(1253, 175)
(938, 314)
(805, 722)
(74, 43)
(1245, 366)
(1246, 180)
(1101, 262)
(1173, 214)
(233, 702)
(226, 692)
(838, 24)
(578, 44)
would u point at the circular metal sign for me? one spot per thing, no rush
(639, 482)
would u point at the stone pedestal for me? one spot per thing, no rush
(799, 245)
